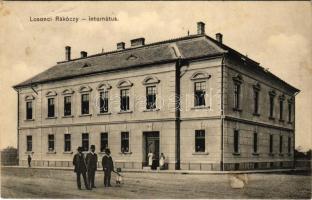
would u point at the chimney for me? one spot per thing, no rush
(83, 54)
(120, 45)
(219, 37)
(67, 53)
(200, 28)
(137, 42)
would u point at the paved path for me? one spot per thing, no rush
(49, 183)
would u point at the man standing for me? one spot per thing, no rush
(29, 161)
(92, 160)
(108, 167)
(80, 168)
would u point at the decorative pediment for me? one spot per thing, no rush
(132, 57)
(85, 89)
(104, 86)
(124, 83)
(150, 80)
(67, 91)
(238, 78)
(51, 93)
(272, 93)
(291, 100)
(29, 97)
(200, 75)
(257, 86)
(281, 97)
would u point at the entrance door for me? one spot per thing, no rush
(151, 145)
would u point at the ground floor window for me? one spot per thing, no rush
(29, 142)
(51, 142)
(289, 145)
(67, 142)
(281, 145)
(124, 142)
(85, 141)
(271, 143)
(236, 141)
(199, 140)
(104, 141)
(255, 143)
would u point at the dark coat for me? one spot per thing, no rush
(107, 163)
(91, 160)
(79, 163)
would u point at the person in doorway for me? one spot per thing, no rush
(150, 158)
(154, 162)
(91, 160)
(162, 161)
(29, 161)
(80, 168)
(108, 167)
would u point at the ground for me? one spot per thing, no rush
(48, 183)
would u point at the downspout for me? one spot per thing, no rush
(222, 114)
(18, 117)
(294, 131)
(177, 112)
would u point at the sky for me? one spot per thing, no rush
(275, 34)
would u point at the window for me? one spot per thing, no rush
(281, 102)
(51, 107)
(67, 142)
(124, 99)
(104, 101)
(84, 104)
(289, 145)
(255, 143)
(124, 142)
(236, 141)
(85, 141)
(151, 97)
(271, 143)
(289, 111)
(256, 101)
(281, 145)
(29, 110)
(104, 141)
(271, 106)
(237, 91)
(29, 142)
(67, 105)
(51, 142)
(199, 140)
(199, 93)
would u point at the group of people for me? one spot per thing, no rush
(152, 160)
(86, 167)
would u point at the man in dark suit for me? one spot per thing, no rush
(92, 160)
(80, 168)
(108, 167)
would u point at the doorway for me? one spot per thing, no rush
(151, 140)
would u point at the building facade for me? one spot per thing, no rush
(201, 103)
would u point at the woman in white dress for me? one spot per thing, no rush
(162, 161)
(150, 158)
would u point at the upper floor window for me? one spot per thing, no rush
(84, 104)
(104, 101)
(124, 100)
(236, 141)
(289, 111)
(200, 141)
(29, 143)
(256, 98)
(29, 110)
(67, 105)
(199, 93)
(67, 142)
(151, 97)
(124, 142)
(255, 142)
(51, 142)
(85, 141)
(104, 141)
(271, 106)
(51, 107)
(237, 91)
(281, 106)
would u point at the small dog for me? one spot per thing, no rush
(118, 177)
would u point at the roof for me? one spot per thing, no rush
(189, 47)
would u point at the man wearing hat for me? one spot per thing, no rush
(80, 168)
(92, 160)
(108, 167)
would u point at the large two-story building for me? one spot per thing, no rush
(198, 101)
